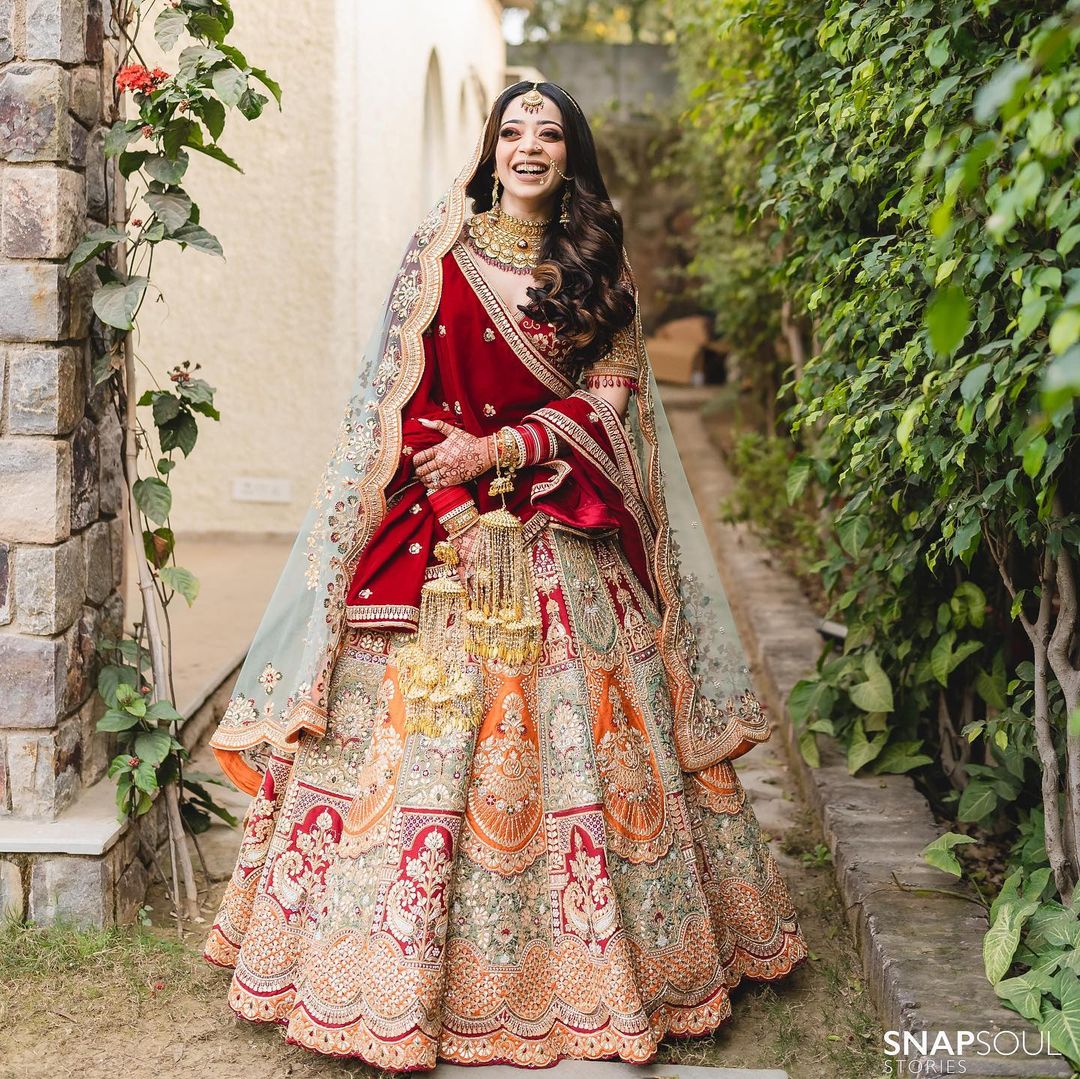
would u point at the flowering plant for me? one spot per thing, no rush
(177, 114)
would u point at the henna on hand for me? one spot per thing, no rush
(459, 458)
(466, 543)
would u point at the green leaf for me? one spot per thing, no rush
(999, 945)
(146, 777)
(167, 170)
(977, 801)
(92, 245)
(1065, 331)
(115, 720)
(179, 434)
(939, 853)
(251, 104)
(153, 746)
(1034, 455)
(172, 207)
(158, 546)
(875, 694)
(218, 154)
(164, 712)
(861, 751)
(1004, 87)
(900, 757)
(116, 303)
(154, 498)
(183, 580)
(196, 236)
(168, 26)
(974, 381)
(948, 318)
(1025, 993)
(131, 161)
(119, 136)
(1063, 1024)
(166, 407)
(213, 115)
(798, 477)
(808, 747)
(208, 27)
(229, 84)
(110, 678)
(268, 82)
(853, 532)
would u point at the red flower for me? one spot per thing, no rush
(133, 762)
(137, 78)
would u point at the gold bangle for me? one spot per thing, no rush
(461, 521)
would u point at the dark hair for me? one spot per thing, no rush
(580, 285)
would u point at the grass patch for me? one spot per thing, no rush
(68, 972)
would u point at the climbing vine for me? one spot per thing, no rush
(178, 115)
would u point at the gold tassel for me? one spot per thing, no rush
(501, 614)
(437, 681)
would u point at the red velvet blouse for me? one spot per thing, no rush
(485, 367)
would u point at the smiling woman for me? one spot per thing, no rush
(498, 820)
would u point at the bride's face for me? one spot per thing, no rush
(528, 143)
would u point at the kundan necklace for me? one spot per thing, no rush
(508, 241)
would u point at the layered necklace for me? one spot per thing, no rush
(507, 241)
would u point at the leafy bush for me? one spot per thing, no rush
(909, 170)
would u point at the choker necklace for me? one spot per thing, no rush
(507, 241)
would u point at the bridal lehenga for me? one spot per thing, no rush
(567, 866)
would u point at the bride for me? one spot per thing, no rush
(489, 717)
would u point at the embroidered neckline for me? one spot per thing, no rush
(515, 335)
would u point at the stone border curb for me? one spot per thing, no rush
(921, 951)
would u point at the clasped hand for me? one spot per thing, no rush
(459, 458)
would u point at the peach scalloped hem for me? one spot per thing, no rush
(419, 1051)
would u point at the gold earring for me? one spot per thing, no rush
(564, 216)
(493, 213)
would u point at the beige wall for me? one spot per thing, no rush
(382, 104)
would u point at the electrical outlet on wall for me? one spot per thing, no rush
(261, 489)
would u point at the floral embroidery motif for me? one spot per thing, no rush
(594, 417)
(442, 330)
(416, 508)
(269, 678)
(489, 410)
(415, 912)
(588, 900)
(415, 548)
(407, 451)
(366, 593)
(489, 334)
(457, 407)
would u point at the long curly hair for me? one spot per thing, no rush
(583, 287)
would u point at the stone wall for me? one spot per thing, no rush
(61, 534)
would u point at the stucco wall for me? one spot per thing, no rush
(312, 231)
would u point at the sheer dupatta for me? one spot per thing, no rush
(283, 687)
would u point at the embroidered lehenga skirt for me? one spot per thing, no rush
(550, 885)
